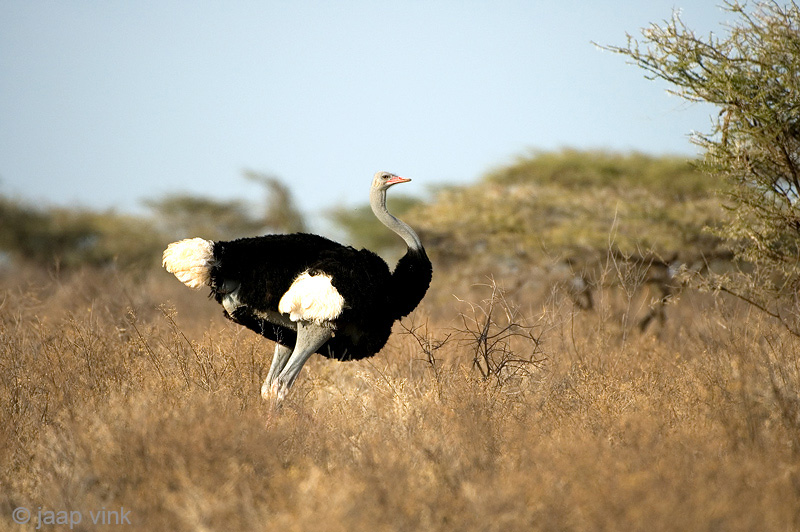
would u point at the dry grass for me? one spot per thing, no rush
(135, 392)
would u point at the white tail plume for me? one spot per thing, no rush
(191, 261)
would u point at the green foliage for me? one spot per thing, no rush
(185, 215)
(68, 238)
(578, 203)
(575, 169)
(753, 76)
(280, 213)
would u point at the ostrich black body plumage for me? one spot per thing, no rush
(374, 296)
(308, 293)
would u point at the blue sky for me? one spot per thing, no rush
(103, 104)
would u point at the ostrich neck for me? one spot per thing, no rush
(377, 200)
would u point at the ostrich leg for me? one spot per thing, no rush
(278, 362)
(310, 337)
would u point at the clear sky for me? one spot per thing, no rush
(105, 103)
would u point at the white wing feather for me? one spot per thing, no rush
(312, 298)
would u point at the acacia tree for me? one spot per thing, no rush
(752, 75)
(184, 215)
(281, 215)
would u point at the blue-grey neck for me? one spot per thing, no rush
(377, 200)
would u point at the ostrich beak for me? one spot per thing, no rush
(397, 179)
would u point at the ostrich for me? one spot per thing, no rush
(307, 293)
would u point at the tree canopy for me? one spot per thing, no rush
(752, 74)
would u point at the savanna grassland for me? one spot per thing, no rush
(499, 404)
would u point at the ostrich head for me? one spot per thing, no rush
(383, 180)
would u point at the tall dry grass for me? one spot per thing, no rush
(134, 392)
